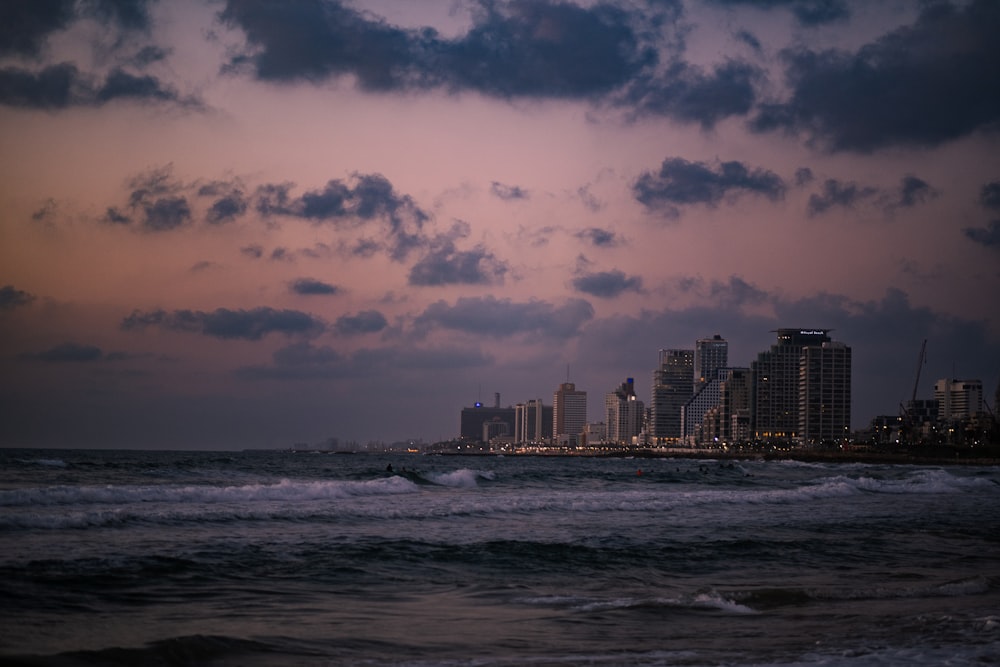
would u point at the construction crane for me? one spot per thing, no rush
(921, 360)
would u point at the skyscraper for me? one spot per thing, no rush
(673, 386)
(532, 422)
(710, 355)
(569, 406)
(623, 413)
(783, 388)
(824, 393)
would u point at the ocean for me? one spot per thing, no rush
(281, 558)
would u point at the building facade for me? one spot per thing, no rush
(569, 413)
(801, 372)
(824, 393)
(673, 386)
(532, 422)
(710, 356)
(623, 414)
(958, 399)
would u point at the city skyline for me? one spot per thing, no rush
(245, 224)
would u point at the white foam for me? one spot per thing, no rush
(463, 478)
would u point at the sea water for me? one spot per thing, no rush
(261, 558)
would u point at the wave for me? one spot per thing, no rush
(287, 490)
(703, 601)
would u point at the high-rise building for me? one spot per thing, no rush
(623, 413)
(673, 386)
(781, 389)
(824, 393)
(532, 422)
(710, 355)
(958, 399)
(729, 421)
(569, 412)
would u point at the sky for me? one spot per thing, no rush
(242, 224)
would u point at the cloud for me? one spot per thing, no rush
(311, 287)
(807, 12)
(687, 94)
(226, 209)
(367, 321)
(989, 195)
(253, 251)
(25, 25)
(607, 284)
(601, 238)
(11, 298)
(67, 353)
(372, 197)
(919, 85)
(988, 236)
(224, 323)
(62, 85)
(522, 48)
(166, 213)
(508, 192)
(837, 193)
(489, 316)
(913, 191)
(683, 183)
(446, 265)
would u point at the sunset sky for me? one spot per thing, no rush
(253, 223)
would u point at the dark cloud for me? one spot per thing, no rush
(803, 176)
(508, 192)
(253, 251)
(120, 84)
(749, 39)
(837, 193)
(687, 94)
(590, 202)
(683, 183)
(311, 287)
(372, 197)
(367, 321)
(116, 217)
(988, 236)
(54, 87)
(489, 316)
(607, 284)
(223, 323)
(148, 55)
(989, 195)
(26, 24)
(920, 85)
(47, 211)
(62, 85)
(602, 238)
(227, 208)
(11, 297)
(166, 213)
(67, 353)
(444, 264)
(913, 191)
(520, 48)
(806, 12)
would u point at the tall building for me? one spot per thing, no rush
(958, 399)
(673, 386)
(729, 421)
(781, 389)
(707, 395)
(824, 393)
(710, 355)
(569, 413)
(532, 422)
(623, 413)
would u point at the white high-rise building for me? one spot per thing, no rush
(623, 413)
(958, 399)
(710, 355)
(673, 386)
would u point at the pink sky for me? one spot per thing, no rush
(245, 224)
